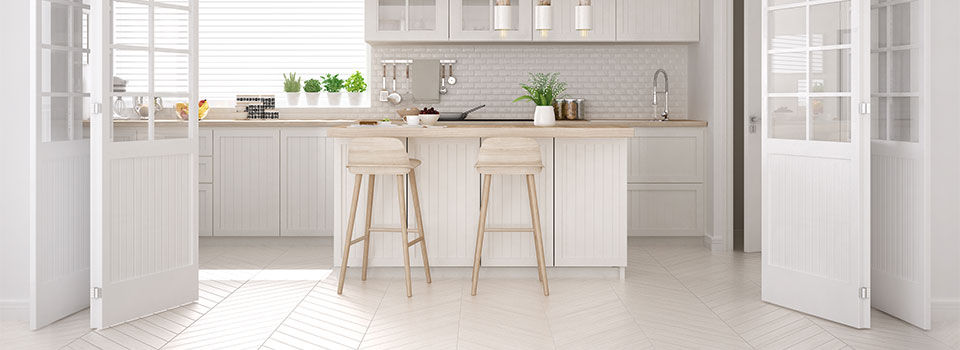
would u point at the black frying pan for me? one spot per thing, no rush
(449, 116)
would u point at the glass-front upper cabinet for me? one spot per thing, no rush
(406, 20)
(491, 20)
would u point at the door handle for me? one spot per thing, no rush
(754, 122)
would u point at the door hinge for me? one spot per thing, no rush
(96, 293)
(864, 107)
(864, 293)
(96, 108)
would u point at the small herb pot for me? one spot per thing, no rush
(355, 98)
(293, 98)
(313, 98)
(543, 116)
(334, 98)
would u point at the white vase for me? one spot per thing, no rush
(313, 98)
(293, 98)
(355, 98)
(543, 116)
(334, 98)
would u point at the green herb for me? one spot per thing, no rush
(332, 83)
(386, 120)
(291, 83)
(543, 89)
(312, 85)
(355, 83)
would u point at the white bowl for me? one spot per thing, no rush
(429, 119)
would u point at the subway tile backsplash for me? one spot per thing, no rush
(615, 79)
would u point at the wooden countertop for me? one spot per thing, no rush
(573, 128)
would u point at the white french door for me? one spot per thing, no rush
(816, 158)
(59, 161)
(900, 162)
(144, 189)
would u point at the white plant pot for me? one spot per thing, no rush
(313, 98)
(355, 98)
(543, 116)
(334, 98)
(293, 98)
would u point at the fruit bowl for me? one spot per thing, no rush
(183, 111)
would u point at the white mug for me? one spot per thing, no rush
(413, 119)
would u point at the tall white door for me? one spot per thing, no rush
(816, 158)
(59, 161)
(144, 218)
(900, 161)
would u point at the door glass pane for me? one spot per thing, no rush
(61, 118)
(787, 72)
(904, 116)
(830, 71)
(130, 24)
(787, 117)
(830, 119)
(783, 2)
(830, 24)
(903, 29)
(878, 21)
(878, 121)
(53, 76)
(878, 72)
(168, 111)
(905, 71)
(476, 15)
(423, 15)
(390, 15)
(130, 71)
(171, 72)
(787, 29)
(171, 30)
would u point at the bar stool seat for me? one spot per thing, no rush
(383, 156)
(510, 156)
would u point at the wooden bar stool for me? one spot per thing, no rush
(510, 156)
(382, 156)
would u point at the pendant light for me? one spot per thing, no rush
(544, 17)
(584, 17)
(502, 17)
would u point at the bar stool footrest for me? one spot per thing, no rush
(507, 229)
(418, 240)
(392, 229)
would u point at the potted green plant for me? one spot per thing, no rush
(355, 87)
(312, 87)
(333, 84)
(291, 85)
(543, 89)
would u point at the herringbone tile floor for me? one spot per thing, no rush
(274, 293)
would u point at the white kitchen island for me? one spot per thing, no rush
(582, 194)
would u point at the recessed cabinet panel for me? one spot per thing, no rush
(665, 209)
(666, 155)
(205, 196)
(205, 168)
(658, 20)
(406, 20)
(246, 182)
(473, 20)
(604, 22)
(306, 182)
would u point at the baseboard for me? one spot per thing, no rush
(945, 303)
(14, 310)
(712, 243)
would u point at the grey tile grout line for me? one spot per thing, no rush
(701, 300)
(380, 303)
(305, 296)
(625, 308)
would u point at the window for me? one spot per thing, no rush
(247, 45)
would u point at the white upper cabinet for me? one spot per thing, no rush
(658, 20)
(473, 20)
(563, 27)
(406, 20)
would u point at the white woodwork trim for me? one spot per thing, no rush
(14, 309)
(720, 230)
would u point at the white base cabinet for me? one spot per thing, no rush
(665, 188)
(246, 182)
(306, 182)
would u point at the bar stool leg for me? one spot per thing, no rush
(348, 237)
(537, 234)
(423, 236)
(481, 226)
(403, 234)
(366, 228)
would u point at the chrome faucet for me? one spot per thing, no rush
(666, 94)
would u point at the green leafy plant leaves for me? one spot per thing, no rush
(332, 83)
(355, 83)
(291, 83)
(312, 85)
(543, 88)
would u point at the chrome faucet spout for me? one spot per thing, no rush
(666, 93)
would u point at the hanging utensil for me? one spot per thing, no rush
(443, 79)
(451, 80)
(394, 96)
(383, 84)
